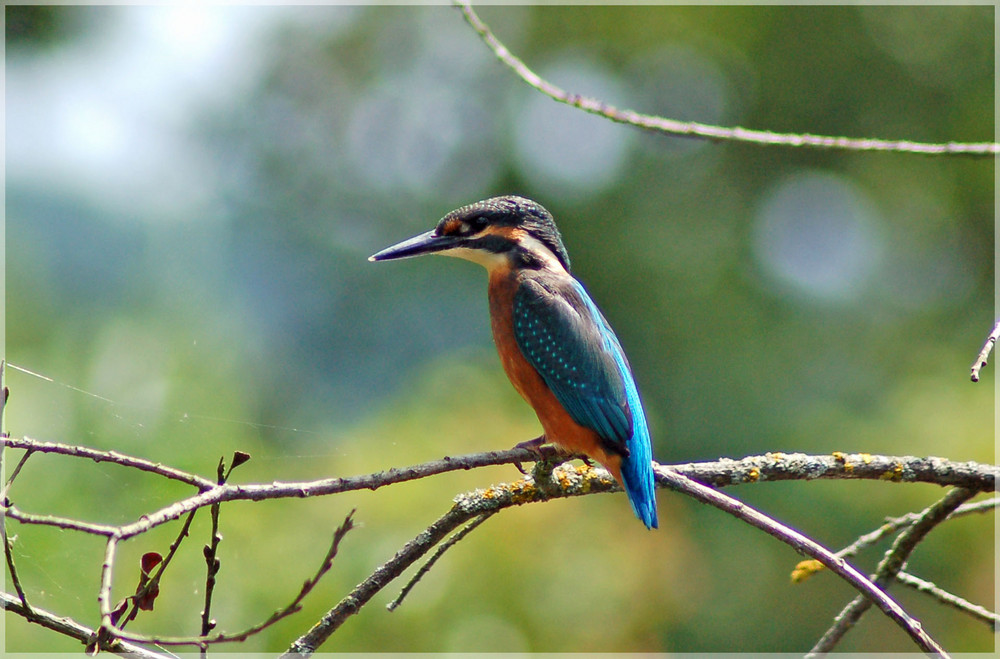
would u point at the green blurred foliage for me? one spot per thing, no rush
(203, 289)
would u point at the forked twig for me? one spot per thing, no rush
(891, 565)
(114, 632)
(73, 629)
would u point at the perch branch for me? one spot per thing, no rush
(694, 129)
(771, 466)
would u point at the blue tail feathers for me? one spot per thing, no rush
(637, 467)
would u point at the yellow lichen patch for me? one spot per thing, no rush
(895, 474)
(489, 493)
(565, 481)
(842, 459)
(522, 492)
(777, 456)
(753, 475)
(806, 569)
(866, 458)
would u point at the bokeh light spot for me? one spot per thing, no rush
(815, 234)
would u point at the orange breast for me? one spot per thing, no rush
(559, 426)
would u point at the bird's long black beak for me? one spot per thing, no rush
(425, 243)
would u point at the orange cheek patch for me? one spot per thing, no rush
(512, 234)
(451, 227)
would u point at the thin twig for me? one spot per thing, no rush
(984, 354)
(425, 568)
(109, 456)
(693, 129)
(891, 564)
(9, 556)
(223, 637)
(379, 579)
(212, 563)
(154, 579)
(12, 512)
(965, 606)
(13, 474)
(73, 629)
(806, 569)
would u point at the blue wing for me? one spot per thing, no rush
(560, 331)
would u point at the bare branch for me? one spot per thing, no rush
(109, 456)
(223, 637)
(357, 598)
(965, 606)
(984, 354)
(13, 474)
(693, 129)
(891, 564)
(73, 629)
(9, 556)
(572, 481)
(805, 569)
(212, 563)
(12, 512)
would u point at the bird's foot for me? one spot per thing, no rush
(533, 445)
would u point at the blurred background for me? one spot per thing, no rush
(191, 195)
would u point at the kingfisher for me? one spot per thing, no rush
(555, 346)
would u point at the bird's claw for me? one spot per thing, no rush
(533, 445)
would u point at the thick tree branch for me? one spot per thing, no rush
(694, 129)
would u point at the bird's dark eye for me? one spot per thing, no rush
(474, 224)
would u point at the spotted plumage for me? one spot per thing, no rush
(556, 347)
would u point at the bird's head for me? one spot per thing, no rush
(507, 231)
